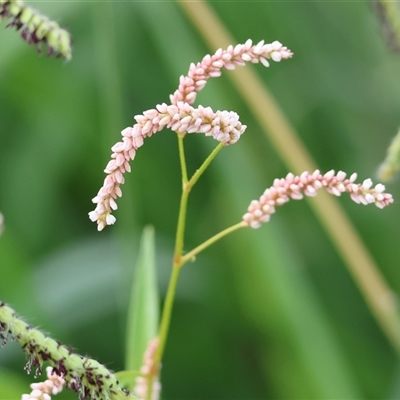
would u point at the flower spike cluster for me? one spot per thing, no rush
(181, 117)
(85, 376)
(296, 187)
(42, 390)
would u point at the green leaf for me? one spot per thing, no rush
(143, 313)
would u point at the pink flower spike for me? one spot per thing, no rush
(148, 373)
(294, 187)
(230, 58)
(223, 126)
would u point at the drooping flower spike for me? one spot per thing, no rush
(85, 376)
(296, 187)
(182, 118)
(223, 126)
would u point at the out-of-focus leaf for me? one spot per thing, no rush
(143, 313)
(394, 392)
(12, 385)
(80, 280)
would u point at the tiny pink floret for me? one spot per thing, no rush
(42, 390)
(294, 187)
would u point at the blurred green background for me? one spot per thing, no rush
(266, 314)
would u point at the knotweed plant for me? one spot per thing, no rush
(88, 377)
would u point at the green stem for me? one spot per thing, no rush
(182, 159)
(181, 228)
(166, 315)
(187, 186)
(179, 241)
(189, 256)
(203, 167)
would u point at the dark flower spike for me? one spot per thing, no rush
(36, 28)
(388, 14)
(84, 375)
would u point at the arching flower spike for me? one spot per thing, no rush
(232, 57)
(296, 187)
(223, 126)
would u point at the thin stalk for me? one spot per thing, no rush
(203, 167)
(179, 242)
(166, 315)
(180, 230)
(187, 186)
(182, 159)
(171, 291)
(189, 256)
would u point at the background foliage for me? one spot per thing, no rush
(267, 314)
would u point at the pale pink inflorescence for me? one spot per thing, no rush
(210, 66)
(181, 117)
(223, 126)
(148, 371)
(42, 390)
(295, 187)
